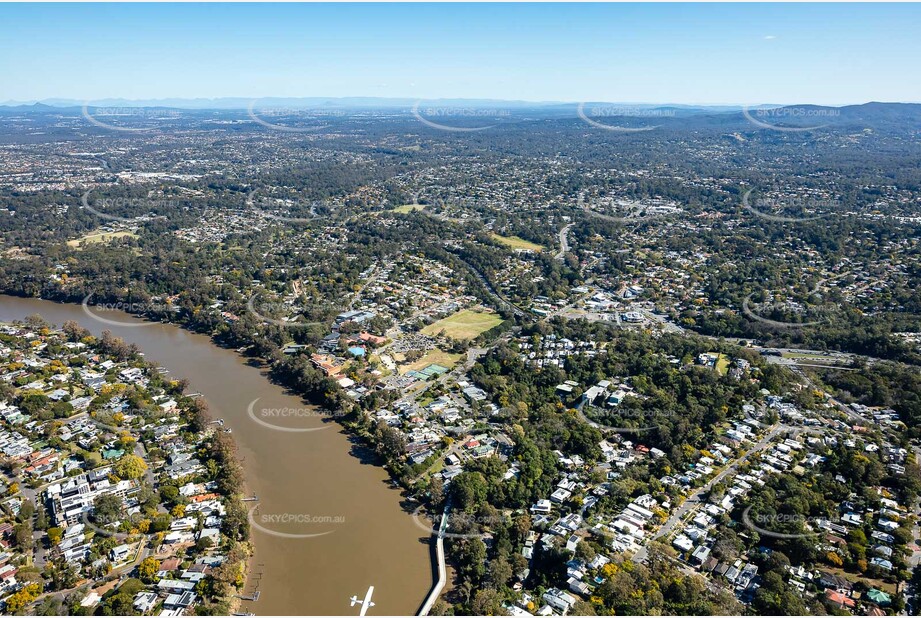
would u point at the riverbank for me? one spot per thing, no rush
(318, 473)
(96, 404)
(235, 602)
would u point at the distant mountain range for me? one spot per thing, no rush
(231, 103)
(873, 114)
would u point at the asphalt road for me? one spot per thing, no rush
(564, 242)
(694, 500)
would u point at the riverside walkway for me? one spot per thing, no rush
(442, 570)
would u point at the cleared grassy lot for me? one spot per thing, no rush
(436, 357)
(405, 208)
(514, 242)
(465, 324)
(99, 237)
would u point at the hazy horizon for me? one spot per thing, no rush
(242, 102)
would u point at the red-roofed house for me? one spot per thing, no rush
(841, 600)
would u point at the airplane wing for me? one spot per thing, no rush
(367, 602)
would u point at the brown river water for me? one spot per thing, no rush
(328, 523)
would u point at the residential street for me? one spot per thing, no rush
(693, 501)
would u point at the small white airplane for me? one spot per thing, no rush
(365, 602)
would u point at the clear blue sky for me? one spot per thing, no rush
(678, 53)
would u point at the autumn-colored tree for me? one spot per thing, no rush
(148, 569)
(16, 602)
(54, 535)
(130, 467)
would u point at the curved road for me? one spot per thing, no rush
(564, 242)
